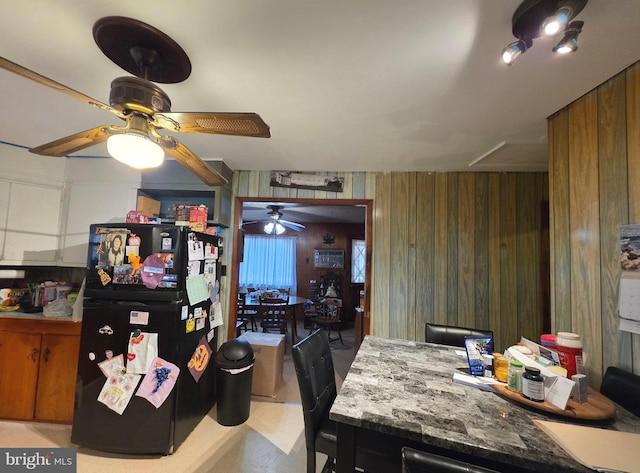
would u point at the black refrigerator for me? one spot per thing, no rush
(146, 374)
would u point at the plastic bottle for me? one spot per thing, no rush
(533, 384)
(569, 347)
(514, 377)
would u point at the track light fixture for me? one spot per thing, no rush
(536, 18)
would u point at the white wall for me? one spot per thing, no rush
(47, 204)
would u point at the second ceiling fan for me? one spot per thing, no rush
(276, 224)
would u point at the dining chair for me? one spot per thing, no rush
(450, 334)
(246, 315)
(417, 461)
(274, 313)
(315, 372)
(328, 316)
(623, 388)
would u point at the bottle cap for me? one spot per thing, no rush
(532, 370)
(515, 364)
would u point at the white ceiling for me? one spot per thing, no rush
(346, 85)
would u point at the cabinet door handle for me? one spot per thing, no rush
(34, 354)
(46, 354)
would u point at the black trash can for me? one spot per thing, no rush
(234, 372)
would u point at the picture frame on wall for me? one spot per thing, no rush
(300, 180)
(324, 259)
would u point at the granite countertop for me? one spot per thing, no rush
(406, 388)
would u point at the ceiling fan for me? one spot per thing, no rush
(276, 224)
(150, 55)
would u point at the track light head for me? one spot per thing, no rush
(569, 43)
(558, 22)
(513, 50)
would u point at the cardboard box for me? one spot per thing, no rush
(148, 207)
(182, 214)
(267, 369)
(198, 218)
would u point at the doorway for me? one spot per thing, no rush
(322, 219)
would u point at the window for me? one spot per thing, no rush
(269, 262)
(358, 260)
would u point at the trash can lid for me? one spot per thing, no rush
(235, 354)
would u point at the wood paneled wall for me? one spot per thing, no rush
(594, 179)
(456, 248)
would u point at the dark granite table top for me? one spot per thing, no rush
(405, 388)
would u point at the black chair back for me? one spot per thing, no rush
(316, 378)
(451, 334)
(623, 388)
(416, 461)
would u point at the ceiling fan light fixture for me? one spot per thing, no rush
(569, 43)
(273, 228)
(135, 150)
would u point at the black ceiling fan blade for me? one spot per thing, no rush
(191, 161)
(40, 79)
(76, 142)
(236, 124)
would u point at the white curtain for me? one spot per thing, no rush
(269, 262)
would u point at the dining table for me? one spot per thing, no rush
(403, 391)
(294, 303)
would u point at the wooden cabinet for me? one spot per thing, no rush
(38, 361)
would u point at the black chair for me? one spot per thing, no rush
(246, 316)
(274, 313)
(417, 461)
(316, 378)
(623, 388)
(451, 335)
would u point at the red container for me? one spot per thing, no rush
(569, 347)
(548, 340)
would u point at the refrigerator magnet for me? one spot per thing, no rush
(210, 251)
(117, 391)
(158, 381)
(134, 240)
(143, 348)
(191, 324)
(167, 244)
(199, 323)
(138, 317)
(152, 271)
(196, 250)
(200, 359)
(184, 313)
